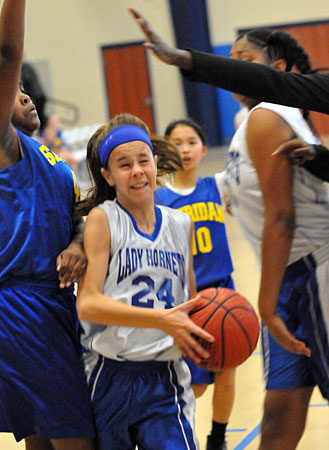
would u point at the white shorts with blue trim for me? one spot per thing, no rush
(146, 404)
(304, 306)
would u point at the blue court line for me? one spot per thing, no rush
(237, 430)
(249, 438)
(318, 404)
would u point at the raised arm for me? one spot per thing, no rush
(11, 56)
(251, 80)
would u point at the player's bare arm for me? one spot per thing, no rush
(266, 131)
(11, 56)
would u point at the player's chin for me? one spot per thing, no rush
(31, 126)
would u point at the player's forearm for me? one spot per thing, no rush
(77, 236)
(98, 308)
(261, 82)
(276, 245)
(12, 30)
(183, 59)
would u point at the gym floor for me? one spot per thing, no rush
(243, 428)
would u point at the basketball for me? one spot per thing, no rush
(232, 320)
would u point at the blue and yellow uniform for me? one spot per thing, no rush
(41, 375)
(211, 255)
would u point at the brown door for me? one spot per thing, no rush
(127, 82)
(314, 39)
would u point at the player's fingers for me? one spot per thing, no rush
(66, 278)
(78, 266)
(187, 306)
(195, 355)
(192, 345)
(304, 153)
(142, 22)
(63, 260)
(134, 12)
(299, 347)
(191, 302)
(288, 340)
(201, 333)
(289, 146)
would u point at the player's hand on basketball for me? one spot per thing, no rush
(282, 335)
(166, 53)
(71, 264)
(296, 150)
(178, 324)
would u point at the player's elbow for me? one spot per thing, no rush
(287, 219)
(84, 307)
(284, 219)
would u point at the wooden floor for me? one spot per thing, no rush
(243, 429)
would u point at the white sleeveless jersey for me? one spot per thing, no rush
(144, 271)
(310, 193)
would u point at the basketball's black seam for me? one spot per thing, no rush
(211, 301)
(239, 324)
(241, 327)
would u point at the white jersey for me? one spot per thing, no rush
(145, 271)
(310, 193)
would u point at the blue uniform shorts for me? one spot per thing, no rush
(199, 375)
(149, 404)
(304, 306)
(43, 389)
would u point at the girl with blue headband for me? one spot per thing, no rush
(132, 299)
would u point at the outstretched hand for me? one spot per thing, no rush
(178, 324)
(166, 53)
(296, 150)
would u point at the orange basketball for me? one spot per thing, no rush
(231, 319)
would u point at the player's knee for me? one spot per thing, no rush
(225, 378)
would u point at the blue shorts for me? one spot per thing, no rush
(199, 375)
(304, 306)
(42, 381)
(149, 404)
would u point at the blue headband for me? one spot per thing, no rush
(121, 135)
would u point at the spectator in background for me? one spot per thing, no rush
(52, 138)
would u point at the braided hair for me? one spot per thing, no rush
(169, 161)
(280, 45)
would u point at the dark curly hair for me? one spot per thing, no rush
(280, 45)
